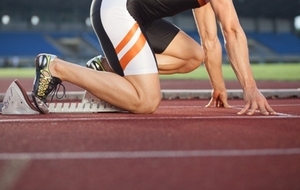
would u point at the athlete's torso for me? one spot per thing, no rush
(145, 11)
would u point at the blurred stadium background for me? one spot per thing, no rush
(29, 27)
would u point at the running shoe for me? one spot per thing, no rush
(96, 63)
(99, 63)
(44, 83)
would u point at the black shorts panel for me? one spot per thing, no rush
(147, 11)
(160, 33)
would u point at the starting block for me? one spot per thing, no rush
(17, 102)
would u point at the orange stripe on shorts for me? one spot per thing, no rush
(134, 50)
(127, 38)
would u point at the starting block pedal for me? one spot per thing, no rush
(17, 102)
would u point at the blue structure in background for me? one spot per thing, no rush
(32, 43)
(25, 44)
(283, 43)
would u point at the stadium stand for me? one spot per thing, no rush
(282, 43)
(25, 44)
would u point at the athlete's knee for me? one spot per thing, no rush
(199, 55)
(146, 105)
(196, 59)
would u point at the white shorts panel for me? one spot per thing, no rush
(117, 22)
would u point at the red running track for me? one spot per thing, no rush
(183, 145)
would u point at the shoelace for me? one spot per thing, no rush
(56, 90)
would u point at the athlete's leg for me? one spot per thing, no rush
(137, 94)
(183, 55)
(176, 52)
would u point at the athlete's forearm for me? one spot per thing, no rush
(237, 50)
(206, 23)
(235, 41)
(213, 65)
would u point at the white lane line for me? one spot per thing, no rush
(285, 114)
(148, 117)
(285, 105)
(132, 117)
(148, 154)
(237, 107)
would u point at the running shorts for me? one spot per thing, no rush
(130, 32)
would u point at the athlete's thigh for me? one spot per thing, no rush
(122, 40)
(167, 39)
(183, 46)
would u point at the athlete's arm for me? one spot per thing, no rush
(207, 28)
(237, 50)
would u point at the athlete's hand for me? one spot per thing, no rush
(255, 100)
(218, 99)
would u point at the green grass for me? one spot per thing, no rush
(279, 72)
(17, 72)
(289, 72)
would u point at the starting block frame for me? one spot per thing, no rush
(17, 102)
